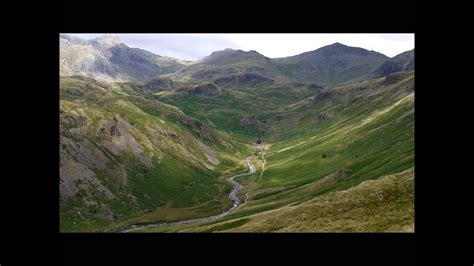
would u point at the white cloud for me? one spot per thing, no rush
(196, 46)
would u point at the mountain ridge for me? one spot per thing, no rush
(329, 65)
(107, 57)
(402, 62)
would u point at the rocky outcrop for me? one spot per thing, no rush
(196, 127)
(108, 58)
(338, 175)
(322, 116)
(252, 79)
(278, 117)
(402, 62)
(393, 79)
(120, 139)
(210, 154)
(75, 91)
(315, 87)
(321, 96)
(206, 89)
(160, 84)
(247, 120)
(75, 176)
(109, 129)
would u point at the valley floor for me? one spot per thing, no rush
(382, 205)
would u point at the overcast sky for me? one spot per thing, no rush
(197, 46)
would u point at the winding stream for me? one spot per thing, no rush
(236, 187)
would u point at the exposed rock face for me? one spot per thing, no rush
(247, 121)
(338, 175)
(136, 62)
(278, 117)
(73, 120)
(74, 176)
(315, 87)
(322, 95)
(109, 129)
(254, 79)
(160, 84)
(322, 117)
(108, 58)
(78, 57)
(207, 89)
(195, 126)
(392, 79)
(85, 153)
(209, 153)
(81, 157)
(171, 134)
(255, 69)
(387, 68)
(75, 91)
(105, 42)
(402, 62)
(122, 139)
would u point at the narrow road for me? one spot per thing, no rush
(236, 187)
(263, 165)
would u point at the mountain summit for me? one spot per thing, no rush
(331, 64)
(229, 56)
(106, 41)
(338, 49)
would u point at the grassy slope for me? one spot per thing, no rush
(370, 133)
(382, 205)
(162, 192)
(225, 111)
(366, 132)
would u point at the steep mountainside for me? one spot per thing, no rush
(330, 141)
(330, 65)
(230, 66)
(108, 58)
(402, 62)
(124, 155)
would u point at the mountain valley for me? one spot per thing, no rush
(152, 140)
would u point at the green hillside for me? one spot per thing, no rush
(367, 132)
(124, 155)
(333, 145)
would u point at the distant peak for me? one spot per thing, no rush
(338, 44)
(225, 51)
(108, 40)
